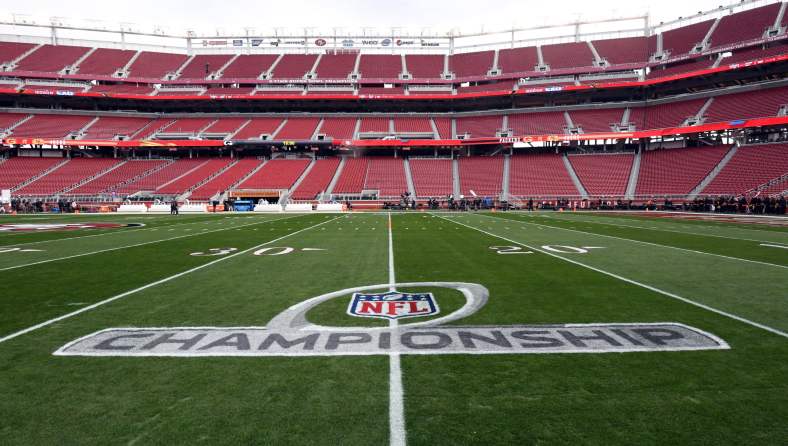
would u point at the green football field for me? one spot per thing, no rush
(548, 328)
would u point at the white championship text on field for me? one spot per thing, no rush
(515, 339)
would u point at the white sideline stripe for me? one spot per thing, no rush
(647, 243)
(661, 229)
(152, 284)
(397, 434)
(138, 244)
(633, 282)
(770, 245)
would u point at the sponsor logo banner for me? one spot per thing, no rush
(214, 43)
(514, 339)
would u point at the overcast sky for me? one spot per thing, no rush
(439, 15)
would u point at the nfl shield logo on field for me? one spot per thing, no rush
(392, 305)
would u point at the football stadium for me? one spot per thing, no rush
(567, 232)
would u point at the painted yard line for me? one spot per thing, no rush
(770, 245)
(110, 232)
(633, 282)
(397, 433)
(153, 284)
(392, 276)
(139, 244)
(646, 243)
(661, 229)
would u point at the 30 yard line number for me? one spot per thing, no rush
(267, 251)
(561, 249)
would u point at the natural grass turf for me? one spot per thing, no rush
(737, 396)
(668, 235)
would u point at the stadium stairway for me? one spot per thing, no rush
(301, 178)
(14, 63)
(700, 116)
(409, 178)
(714, 172)
(780, 14)
(40, 175)
(632, 184)
(573, 175)
(92, 178)
(188, 192)
(337, 175)
(776, 185)
(224, 195)
(150, 172)
(455, 174)
(10, 128)
(704, 44)
(181, 176)
(507, 162)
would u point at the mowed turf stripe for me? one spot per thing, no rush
(659, 225)
(746, 289)
(23, 238)
(62, 247)
(31, 295)
(91, 233)
(220, 401)
(738, 222)
(633, 239)
(698, 397)
(117, 248)
(153, 284)
(634, 282)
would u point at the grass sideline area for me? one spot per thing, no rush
(541, 269)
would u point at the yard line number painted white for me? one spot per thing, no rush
(633, 282)
(153, 284)
(397, 434)
(650, 244)
(504, 250)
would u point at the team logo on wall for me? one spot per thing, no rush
(320, 42)
(290, 333)
(392, 305)
(20, 227)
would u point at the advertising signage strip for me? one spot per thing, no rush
(379, 42)
(327, 41)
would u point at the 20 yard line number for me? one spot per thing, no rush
(561, 249)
